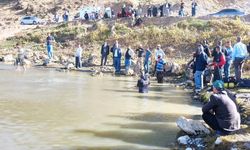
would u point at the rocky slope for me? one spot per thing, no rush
(13, 10)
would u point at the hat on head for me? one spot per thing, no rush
(218, 84)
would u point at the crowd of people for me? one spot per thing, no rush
(137, 13)
(220, 60)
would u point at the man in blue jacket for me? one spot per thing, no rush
(117, 55)
(239, 56)
(199, 66)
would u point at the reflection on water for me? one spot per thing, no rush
(45, 109)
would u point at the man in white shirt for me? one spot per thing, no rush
(158, 52)
(78, 56)
(239, 56)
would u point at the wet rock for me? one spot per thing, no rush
(92, 60)
(218, 141)
(173, 68)
(247, 145)
(46, 62)
(192, 127)
(107, 69)
(184, 140)
(189, 83)
(70, 66)
(130, 72)
(8, 58)
(97, 73)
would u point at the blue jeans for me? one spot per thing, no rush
(198, 79)
(227, 67)
(127, 64)
(117, 64)
(50, 51)
(146, 66)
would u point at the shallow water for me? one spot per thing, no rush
(46, 109)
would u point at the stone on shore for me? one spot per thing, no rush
(218, 141)
(184, 140)
(97, 73)
(8, 58)
(192, 127)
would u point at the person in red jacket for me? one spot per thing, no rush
(218, 63)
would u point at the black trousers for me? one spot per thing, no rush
(104, 60)
(217, 74)
(78, 62)
(212, 122)
(160, 76)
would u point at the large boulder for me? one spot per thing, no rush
(173, 68)
(92, 60)
(97, 73)
(192, 127)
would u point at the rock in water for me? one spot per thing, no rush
(218, 141)
(192, 127)
(184, 140)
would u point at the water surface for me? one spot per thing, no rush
(50, 110)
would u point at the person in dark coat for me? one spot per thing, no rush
(104, 53)
(206, 48)
(155, 11)
(150, 9)
(143, 83)
(86, 16)
(201, 62)
(194, 5)
(221, 112)
(117, 55)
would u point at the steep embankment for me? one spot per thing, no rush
(11, 11)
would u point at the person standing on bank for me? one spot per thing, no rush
(221, 112)
(117, 55)
(194, 5)
(218, 63)
(139, 52)
(228, 55)
(104, 53)
(158, 52)
(239, 56)
(78, 56)
(147, 60)
(201, 62)
(49, 42)
(128, 56)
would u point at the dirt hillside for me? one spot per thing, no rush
(13, 10)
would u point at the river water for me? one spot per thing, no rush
(50, 110)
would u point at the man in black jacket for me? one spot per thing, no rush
(104, 53)
(221, 112)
